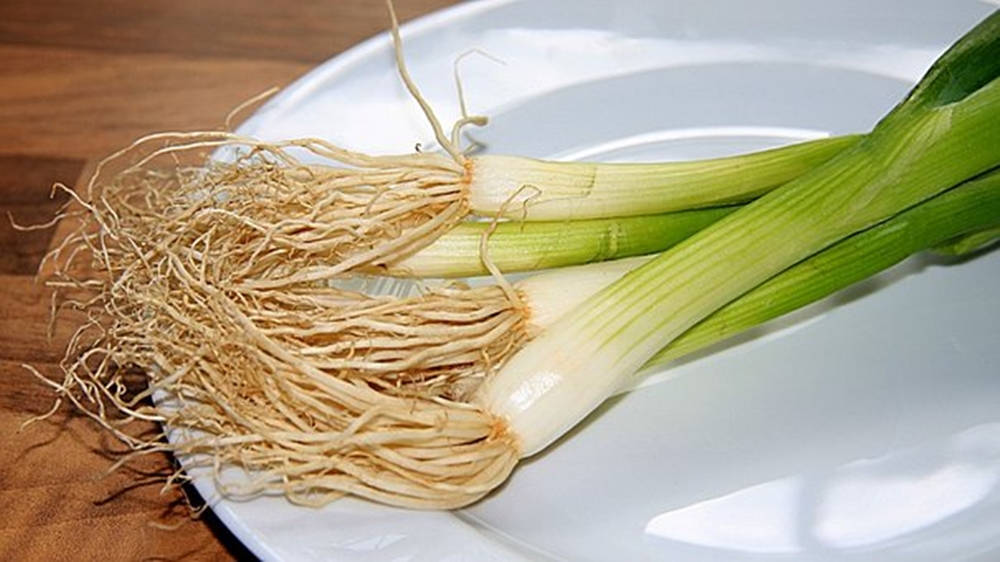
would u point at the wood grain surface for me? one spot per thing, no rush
(78, 80)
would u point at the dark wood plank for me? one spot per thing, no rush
(82, 104)
(308, 31)
(26, 197)
(24, 320)
(66, 507)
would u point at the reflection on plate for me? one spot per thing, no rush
(864, 428)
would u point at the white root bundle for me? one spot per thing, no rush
(195, 279)
(438, 344)
(201, 262)
(266, 218)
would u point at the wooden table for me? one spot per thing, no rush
(78, 80)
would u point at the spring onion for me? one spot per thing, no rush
(443, 342)
(276, 219)
(274, 214)
(220, 318)
(312, 372)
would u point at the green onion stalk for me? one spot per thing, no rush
(516, 246)
(964, 213)
(943, 133)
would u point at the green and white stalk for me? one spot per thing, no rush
(943, 133)
(970, 243)
(967, 212)
(527, 246)
(571, 213)
(538, 190)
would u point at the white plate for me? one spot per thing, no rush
(867, 427)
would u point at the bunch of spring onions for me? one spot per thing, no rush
(209, 282)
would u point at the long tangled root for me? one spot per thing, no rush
(438, 344)
(205, 282)
(257, 214)
(200, 262)
(231, 397)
